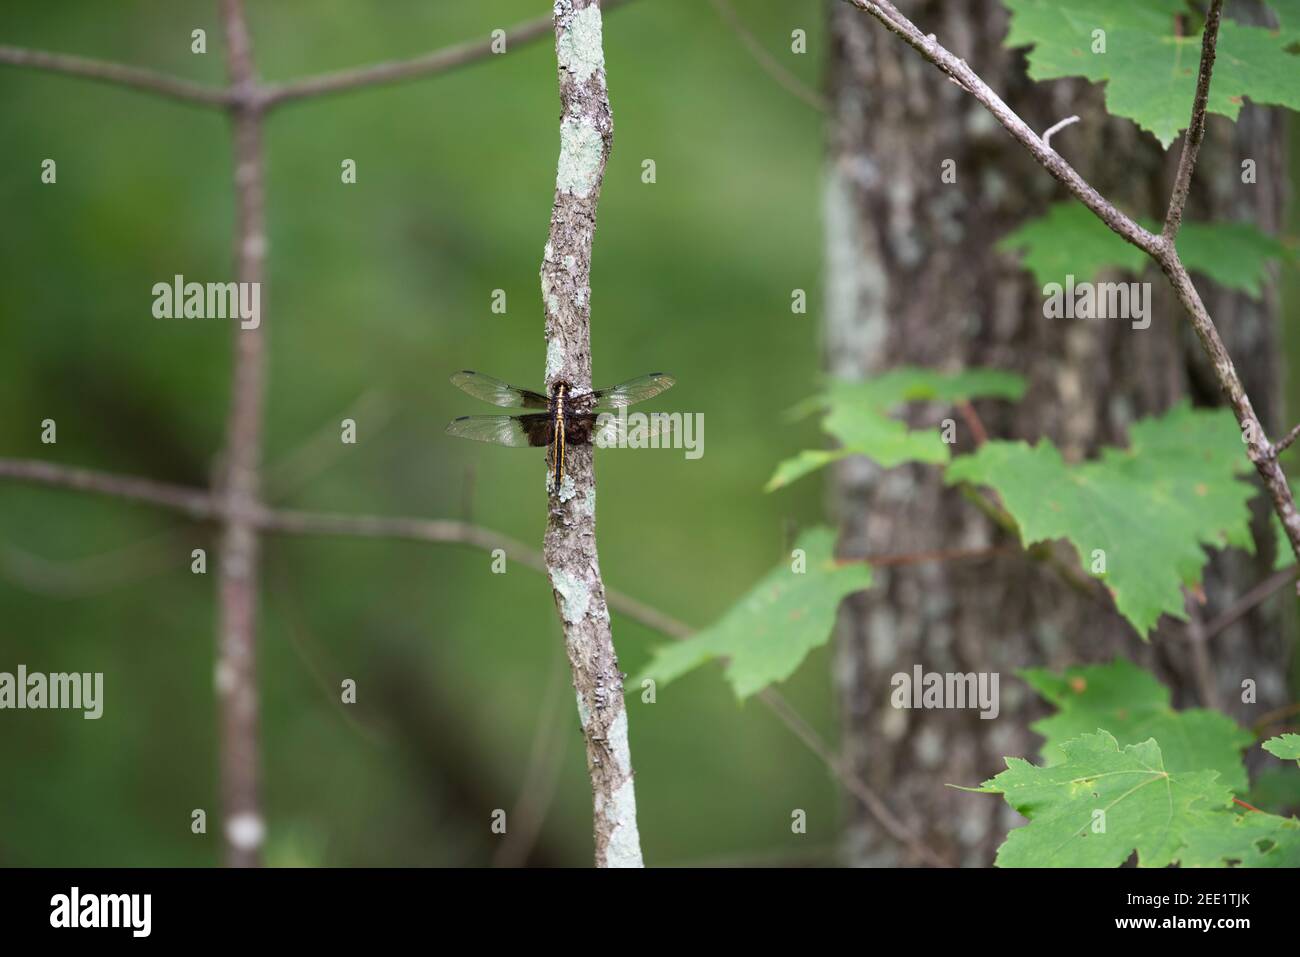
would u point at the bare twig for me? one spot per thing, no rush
(1277, 716)
(979, 433)
(200, 505)
(1198, 641)
(197, 503)
(1056, 128)
(1257, 595)
(439, 61)
(877, 807)
(267, 95)
(1285, 442)
(586, 135)
(537, 790)
(932, 556)
(1195, 129)
(964, 77)
(296, 467)
(308, 652)
(79, 577)
(237, 580)
(769, 63)
(148, 81)
(1260, 452)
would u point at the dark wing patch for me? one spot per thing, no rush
(495, 391)
(516, 431)
(632, 391)
(606, 430)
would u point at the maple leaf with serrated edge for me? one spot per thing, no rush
(1223, 839)
(858, 417)
(1150, 72)
(1102, 803)
(769, 632)
(1285, 746)
(1133, 706)
(1069, 240)
(1146, 511)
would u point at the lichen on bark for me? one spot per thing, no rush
(586, 135)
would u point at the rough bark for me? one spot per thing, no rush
(586, 135)
(913, 277)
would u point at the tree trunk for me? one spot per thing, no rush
(913, 277)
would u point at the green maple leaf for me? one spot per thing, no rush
(1149, 71)
(1235, 255)
(858, 417)
(1223, 839)
(1286, 747)
(1133, 706)
(1147, 510)
(1068, 240)
(1101, 804)
(769, 632)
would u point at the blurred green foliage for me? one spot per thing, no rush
(386, 285)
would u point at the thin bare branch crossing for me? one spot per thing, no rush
(119, 74)
(1160, 248)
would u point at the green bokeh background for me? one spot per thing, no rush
(385, 287)
(382, 289)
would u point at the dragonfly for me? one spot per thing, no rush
(568, 416)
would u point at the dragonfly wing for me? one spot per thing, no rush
(606, 430)
(516, 431)
(632, 391)
(495, 391)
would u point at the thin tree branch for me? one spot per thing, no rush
(201, 505)
(874, 804)
(1277, 716)
(397, 71)
(1198, 640)
(79, 577)
(769, 63)
(1256, 596)
(274, 94)
(310, 656)
(963, 76)
(296, 467)
(586, 135)
(1196, 129)
(973, 422)
(290, 522)
(932, 556)
(1057, 127)
(537, 790)
(1285, 442)
(196, 503)
(1260, 452)
(119, 74)
(237, 579)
